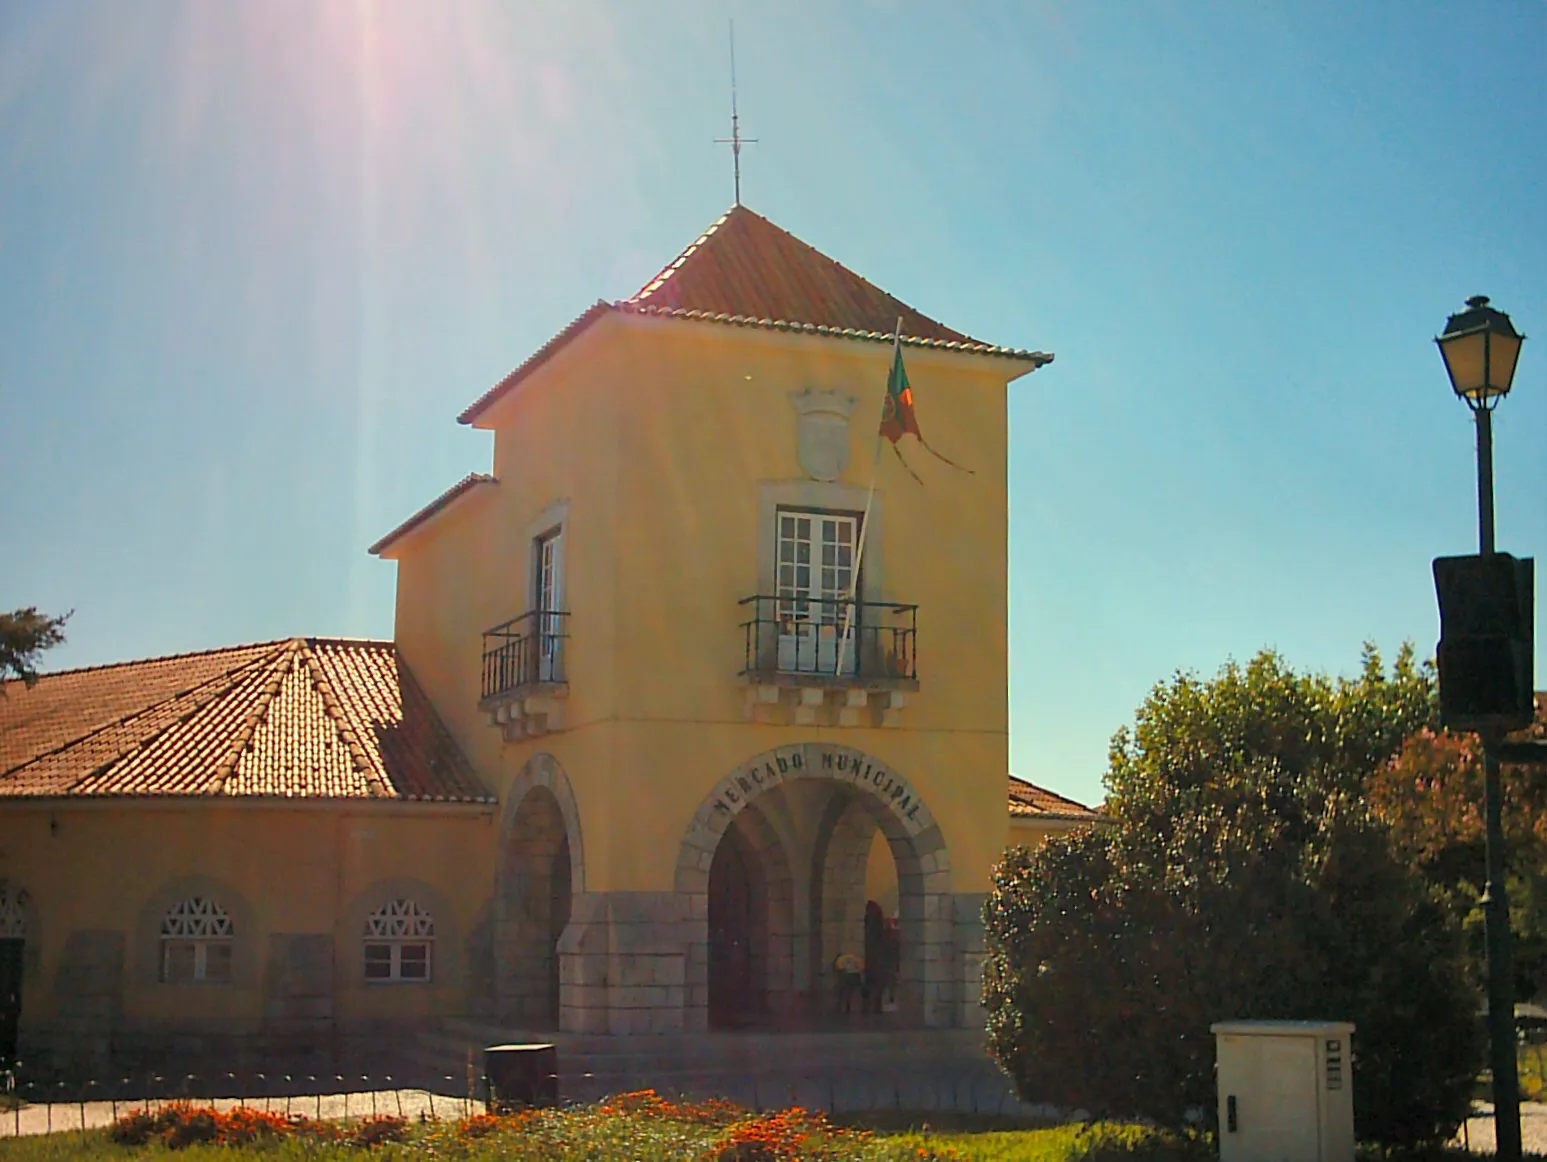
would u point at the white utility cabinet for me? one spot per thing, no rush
(1285, 1091)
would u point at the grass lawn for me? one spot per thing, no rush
(632, 1128)
(1104, 1142)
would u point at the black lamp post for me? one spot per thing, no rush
(1481, 347)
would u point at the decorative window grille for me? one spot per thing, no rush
(13, 912)
(196, 942)
(398, 939)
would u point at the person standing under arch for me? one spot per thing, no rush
(875, 958)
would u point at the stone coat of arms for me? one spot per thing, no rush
(823, 429)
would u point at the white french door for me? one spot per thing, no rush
(549, 600)
(816, 580)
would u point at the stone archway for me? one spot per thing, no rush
(840, 860)
(540, 869)
(866, 796)
(751, 923)
(738, 923)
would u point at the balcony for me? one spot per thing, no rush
(828, 661)
(524, 680)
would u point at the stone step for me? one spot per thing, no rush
(453, 1059)
(911, 1069)
(441, 1065)
(978, 1094)
(898, 1085)
(452, 1046)
(947, 1042)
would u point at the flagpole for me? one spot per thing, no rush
(864, 523)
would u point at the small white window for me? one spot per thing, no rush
(398, 939)
(196, 943)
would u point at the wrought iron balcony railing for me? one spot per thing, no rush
(525, 651)
(806, 636)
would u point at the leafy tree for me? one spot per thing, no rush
(1192, 739)
(24, 634)
(1242, 875)
(1431, 795)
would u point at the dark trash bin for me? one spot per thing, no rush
(521, 1076)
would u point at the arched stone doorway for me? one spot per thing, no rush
(736, 923)
(750, 925)
(539, 872)
(856, 908)
(817, 809)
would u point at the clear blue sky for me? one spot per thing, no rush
(255, 257)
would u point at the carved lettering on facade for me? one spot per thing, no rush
(807, 760)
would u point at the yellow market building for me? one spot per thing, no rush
(681, 719)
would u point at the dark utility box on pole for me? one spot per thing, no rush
(1486, 620)
(521, 1077)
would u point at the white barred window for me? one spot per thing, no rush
(398, 939)
(196, 941)
(13, 912)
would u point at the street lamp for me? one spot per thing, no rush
(1481, 348)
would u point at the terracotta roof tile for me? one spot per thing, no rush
(299, 718)
(1027, 800)
(469, 482)
(71, 704)
(745, 266)
(296, 748)
(965, 346)
(536, 359)
(747, 272)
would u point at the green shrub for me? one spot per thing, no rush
(1241, 877)
(1112, 1142)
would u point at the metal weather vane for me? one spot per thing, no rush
(735, 140)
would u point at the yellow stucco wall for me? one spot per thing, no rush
(710, 419)
(468, 570)
(653, 440)
(274, 870)
(657, 434)
(1030, 831)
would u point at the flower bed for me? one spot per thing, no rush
(631, 1125)
(178, 1125)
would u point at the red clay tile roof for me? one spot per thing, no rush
(313, 718)
(1027, 800)
(469, 482)
(744, 265)
(747, 272)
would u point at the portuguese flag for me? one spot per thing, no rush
(898, 418)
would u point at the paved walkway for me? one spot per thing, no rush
(411, 1103)
(1478, 1134)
